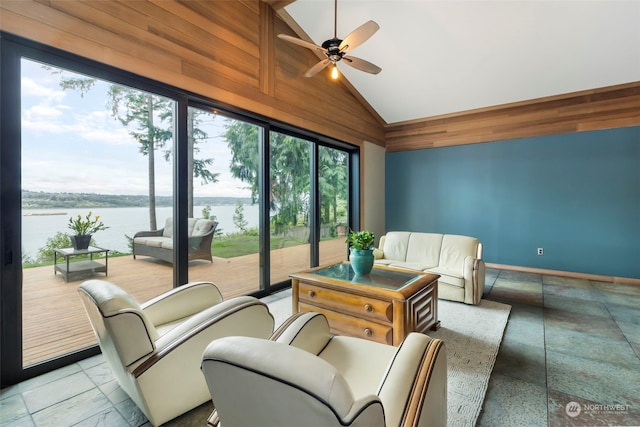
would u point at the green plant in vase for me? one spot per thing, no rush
(361, 251)
(84, 228)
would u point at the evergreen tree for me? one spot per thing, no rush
(238, 217)
(153, 117)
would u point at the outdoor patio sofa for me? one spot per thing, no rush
(159, 243)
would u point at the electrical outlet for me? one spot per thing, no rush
(540, 251)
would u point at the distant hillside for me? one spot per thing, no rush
(42, 200)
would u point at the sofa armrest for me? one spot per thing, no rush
(308, 331)
(381, 243)
(153, 233)
(479, 272)
(474, 272)
(182, 302)
(417, 380)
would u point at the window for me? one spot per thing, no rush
(136, 153)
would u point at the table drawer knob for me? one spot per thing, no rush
(368, 308)
(368, 332)
(312, 294)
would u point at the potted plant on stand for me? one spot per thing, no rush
(361, 251)
(84, 228)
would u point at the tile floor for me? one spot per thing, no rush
(570, 356)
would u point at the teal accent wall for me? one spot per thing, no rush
(575, 195)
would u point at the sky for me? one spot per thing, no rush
(72, 143)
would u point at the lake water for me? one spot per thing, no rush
(36, 229)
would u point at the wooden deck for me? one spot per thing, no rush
(54, 321)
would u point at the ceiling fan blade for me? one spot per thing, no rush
(301, 42)
(361, 64)
(316, 68)
(359, 36)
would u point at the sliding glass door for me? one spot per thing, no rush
(333, 187)
(85, 143)
(93, 153)
(224, 167)
(289, 205)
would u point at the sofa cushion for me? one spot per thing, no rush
(195, 227)
(454, 250)
(200, 227)
(424, 248)
(395, 245)
(168, 228)
(448, 276)
(153, 241)
(410, 265)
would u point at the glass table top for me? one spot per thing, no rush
(381, 278)
(72, 251)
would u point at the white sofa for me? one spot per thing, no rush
(457, 259)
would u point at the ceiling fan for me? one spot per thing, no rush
(336, 49)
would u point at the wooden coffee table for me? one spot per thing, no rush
(383, 306)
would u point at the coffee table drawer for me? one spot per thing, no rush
(343, 324)
(361, 306)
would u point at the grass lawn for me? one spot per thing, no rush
(228, 246)
(240, 244)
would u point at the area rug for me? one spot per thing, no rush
(472, 336)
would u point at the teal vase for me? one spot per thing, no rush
(361, 261)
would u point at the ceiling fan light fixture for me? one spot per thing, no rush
(335, 49)
(334, 72)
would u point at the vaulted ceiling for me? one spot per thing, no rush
(441, 57)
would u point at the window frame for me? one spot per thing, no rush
(12, 50)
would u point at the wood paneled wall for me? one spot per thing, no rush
(224, 50)
(603, 108)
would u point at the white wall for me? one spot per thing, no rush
(373, 160)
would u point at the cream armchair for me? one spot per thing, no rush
(155, 349)
(306, 376)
